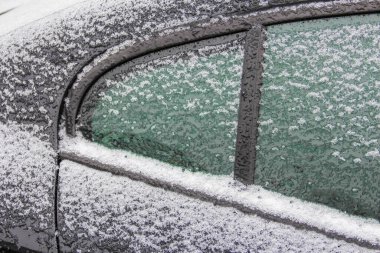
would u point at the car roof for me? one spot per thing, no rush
(17, 13)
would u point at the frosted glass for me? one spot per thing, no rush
(319, 130)
(180, 109)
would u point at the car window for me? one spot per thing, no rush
(155, 106)
(319, 123)
(179, 105)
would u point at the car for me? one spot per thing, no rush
(192, 126)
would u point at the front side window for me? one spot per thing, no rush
(179, 105)
(319, 124)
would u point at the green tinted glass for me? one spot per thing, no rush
(319, 125)
(180, 108)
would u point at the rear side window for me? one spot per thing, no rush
(179, 105)
(319, 124)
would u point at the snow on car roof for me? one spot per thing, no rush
(17, 13)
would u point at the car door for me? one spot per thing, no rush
(159, 139)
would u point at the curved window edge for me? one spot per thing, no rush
(205, 31)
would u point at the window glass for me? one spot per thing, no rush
(179, 106)
(319, 125)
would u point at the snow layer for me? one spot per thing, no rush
(180, 108)
(322, 141)
(106, 212)
(23, 12)
(225, 188)
(38, 63)
(43, 62)
(27, 169)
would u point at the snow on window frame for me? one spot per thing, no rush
(173, 57)
(252, 23)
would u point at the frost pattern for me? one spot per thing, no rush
(323, 141)
(181, 109)
(107, 212)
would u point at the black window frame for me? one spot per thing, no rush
(254, 24)
(249, 107)
(129, 65)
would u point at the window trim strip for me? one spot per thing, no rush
(119, 171)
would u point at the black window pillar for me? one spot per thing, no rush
(247, 129)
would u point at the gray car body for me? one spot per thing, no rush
(46, 57)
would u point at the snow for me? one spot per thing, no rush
(103, 211)
(179, 79)
(374, 153)
(23, 12)
(325, 128)
(75, 32)
(225, 188)
(27, 169)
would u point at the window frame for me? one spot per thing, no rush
(196, 45)
(249, 109)
(254, 24)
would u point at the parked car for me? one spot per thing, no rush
(193, 126)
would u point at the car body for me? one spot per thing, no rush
(62, 192)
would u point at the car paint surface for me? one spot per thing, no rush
(37, 67)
